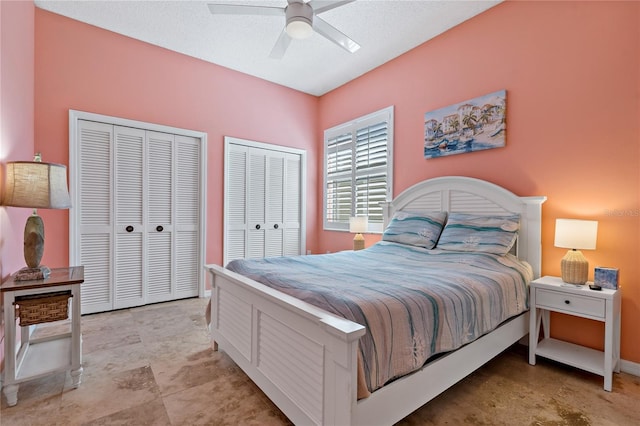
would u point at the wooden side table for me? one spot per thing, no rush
(42, 356)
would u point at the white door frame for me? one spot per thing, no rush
(74, 219)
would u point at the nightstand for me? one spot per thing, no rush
(552, 294)
(38, 357)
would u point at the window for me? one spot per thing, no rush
(358, 170)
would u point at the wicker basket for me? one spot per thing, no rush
(40, 308)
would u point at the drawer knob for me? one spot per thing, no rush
(567, 302)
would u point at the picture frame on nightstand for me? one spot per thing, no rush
(606, 277)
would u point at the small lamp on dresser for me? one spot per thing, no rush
(575, 235)
(358, 225)
(35, 185)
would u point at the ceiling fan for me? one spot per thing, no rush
(301, 20)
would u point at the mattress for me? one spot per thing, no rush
(414, 303)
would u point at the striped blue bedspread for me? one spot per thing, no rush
(414, 302)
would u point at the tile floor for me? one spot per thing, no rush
(153, 365)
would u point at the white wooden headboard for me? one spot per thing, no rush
(470, 195)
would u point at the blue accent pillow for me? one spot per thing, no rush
(480, 233)
(416, 229)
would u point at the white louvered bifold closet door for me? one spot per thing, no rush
(256, 199)
(187, 228)
(274, 204)
(95, 241)
(129, 195)
(139, 208)
(292, 200)
(159, 226)
(236, 201)
(263, 202)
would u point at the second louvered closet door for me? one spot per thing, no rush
(264, 202)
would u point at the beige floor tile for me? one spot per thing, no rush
(110, 394)
(150, 413)
(153, 365)
(229, 401)
(37, 399)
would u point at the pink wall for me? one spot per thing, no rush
(571, 70)
(572, 75)
(16, 123)
(85, 68)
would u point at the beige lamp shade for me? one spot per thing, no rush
(36, 185)
(575, 234)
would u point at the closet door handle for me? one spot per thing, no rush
(258, 226)
(129, 228)
(275, 226)
(159, 228)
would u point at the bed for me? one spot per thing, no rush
(308, 360)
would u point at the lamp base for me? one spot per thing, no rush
(574, 267)
(31, 274)
(358, 242)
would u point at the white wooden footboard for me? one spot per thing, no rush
(302, 357)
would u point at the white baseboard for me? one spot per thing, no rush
(630, 367)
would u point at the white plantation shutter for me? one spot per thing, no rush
(358, 170)
(339, 167)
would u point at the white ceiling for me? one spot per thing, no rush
(385, 29)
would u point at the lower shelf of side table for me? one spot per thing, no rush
(571, 354)
(44, 357)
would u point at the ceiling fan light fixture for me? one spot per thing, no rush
(299, 29)
(299, 20)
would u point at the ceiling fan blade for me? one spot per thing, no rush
(281, 45)
(332, 33)
(237, 9)
(320, 6)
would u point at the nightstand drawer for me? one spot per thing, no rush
(566, 302)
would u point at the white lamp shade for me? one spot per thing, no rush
(576, 234)
(359, 224)
(36, 185)
(299, 29)
(299, 20)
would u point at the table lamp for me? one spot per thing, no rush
(575, 234)
(358, 225)
(35, 185)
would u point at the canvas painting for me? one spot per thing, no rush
(606, 277)
(468, 126)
